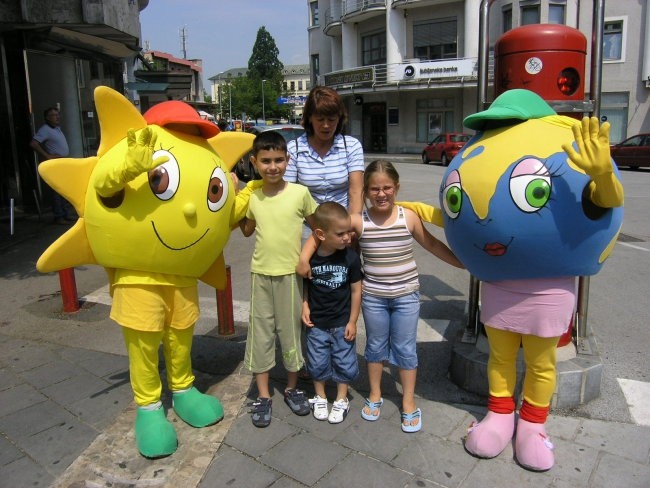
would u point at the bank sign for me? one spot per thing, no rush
(438, 69)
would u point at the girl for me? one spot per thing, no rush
(391, 300)
(391, 297)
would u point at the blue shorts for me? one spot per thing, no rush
(391, 329)
(330, 356)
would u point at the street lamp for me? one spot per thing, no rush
(263, 111)
(230, 103)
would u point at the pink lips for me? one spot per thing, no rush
(495, 249)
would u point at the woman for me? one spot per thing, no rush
(324, 160)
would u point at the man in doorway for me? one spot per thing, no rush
(49, 142)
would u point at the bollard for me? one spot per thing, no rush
(225, 315)
(68, 290)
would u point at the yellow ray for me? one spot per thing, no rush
(116, 116)
(215, 276)
(231, 146)
(68, 251)
(69, 178)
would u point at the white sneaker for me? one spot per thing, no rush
(340, 409)
(319, 406)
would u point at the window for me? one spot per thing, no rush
(507, 18)
(313, 14)
(614, 109)
(530, 14)
(435, 40)
(613, 40)
(556, 13)
(315, 67)
(434, 116)
(373, 49)
(299, 84)
(293, 86)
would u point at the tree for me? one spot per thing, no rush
(265, 77)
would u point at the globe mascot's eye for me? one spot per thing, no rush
(452, 195)
(530, 185)
(164, 179)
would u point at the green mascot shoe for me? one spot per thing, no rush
(196, 408)
(154, 434)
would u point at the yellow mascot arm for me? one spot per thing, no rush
(138, 160)
(241, 201)
(593, 157)
(427, 213)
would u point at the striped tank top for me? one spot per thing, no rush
(388, 264)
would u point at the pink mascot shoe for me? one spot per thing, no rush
(491, 435)
(533, 448)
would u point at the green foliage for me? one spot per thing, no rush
(246, 94)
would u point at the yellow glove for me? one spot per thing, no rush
(241, 201)
(593, 157)
(427, 213)
(138, 160)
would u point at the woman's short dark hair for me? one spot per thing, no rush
(326, 102)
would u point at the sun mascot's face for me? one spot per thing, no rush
(175, 219)
(171, 220)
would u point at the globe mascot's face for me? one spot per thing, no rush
(514, 207)
(174, 219)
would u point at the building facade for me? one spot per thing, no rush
(295, 86)
(55, 54)
(408, 69)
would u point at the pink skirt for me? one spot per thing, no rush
(541, 307)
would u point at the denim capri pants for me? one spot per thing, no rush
(391, 329)
(330, 356)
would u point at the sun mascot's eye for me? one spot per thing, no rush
(218, 190)
(164, 179)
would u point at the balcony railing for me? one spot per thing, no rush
(354, 6)
(410, 73)
(332, 19)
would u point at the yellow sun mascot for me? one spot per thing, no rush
(155, 208)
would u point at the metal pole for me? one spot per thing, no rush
(11, 216)
(595, 87)
(230, 103)
(69, 290)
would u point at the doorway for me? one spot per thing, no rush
(374, 127)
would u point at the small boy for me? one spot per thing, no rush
(276, 213)
(331, 305)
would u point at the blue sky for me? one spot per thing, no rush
(222, 32)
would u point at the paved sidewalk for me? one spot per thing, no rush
(66, 413)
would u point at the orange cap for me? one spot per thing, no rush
(177, 112)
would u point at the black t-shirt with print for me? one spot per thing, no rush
(329, 288)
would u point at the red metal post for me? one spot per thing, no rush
(226, 317)
(68, 290)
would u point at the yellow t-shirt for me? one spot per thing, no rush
(278, 228)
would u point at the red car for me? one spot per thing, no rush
(633, 151)
(444, 147)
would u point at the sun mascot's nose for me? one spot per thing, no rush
(189, 210)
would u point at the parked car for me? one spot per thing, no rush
(444, 147)
(633, 151)
(244, 169)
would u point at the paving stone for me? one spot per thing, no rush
(18, 398)
(441, 419)
(573, 462)
(304, 458)
(101, 410)
(8, 379)
(8, 452)
(28, 356)
(494, 473)
(381, 439)
(625, 440)
(361, 471)
(34, 419)
(57, 447)
(285, 482)
(24, 472)
(435, 459)
(232, 469)
(51, 373)
(256, 441)
(562, 427)
(616, 471)
(83, 385)
(105, 364)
